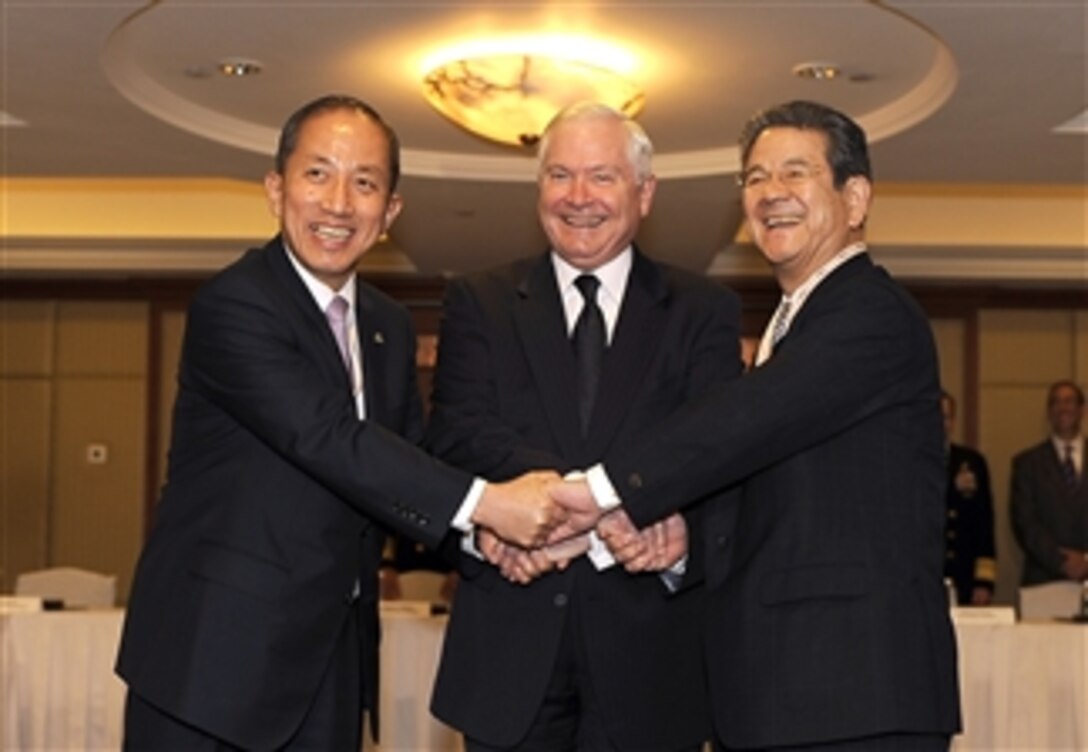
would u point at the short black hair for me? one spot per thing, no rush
(1065, 383)
(289, 135)
(847, 151)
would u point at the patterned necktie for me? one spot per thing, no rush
(781, 322)
(589, 340)
(337, 315)
(1069, 470)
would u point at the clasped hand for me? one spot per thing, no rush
(573, 514)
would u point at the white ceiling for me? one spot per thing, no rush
(955, 92)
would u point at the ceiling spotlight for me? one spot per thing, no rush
(816, 71)
(237, 67)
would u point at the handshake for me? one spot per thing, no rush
(540, 522)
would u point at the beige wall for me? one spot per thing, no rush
(950, 335)
(73, 376)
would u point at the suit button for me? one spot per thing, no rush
(560, 600)
(721, 541)
(634, 480)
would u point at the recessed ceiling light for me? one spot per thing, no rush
(816, 71)
(238, 67)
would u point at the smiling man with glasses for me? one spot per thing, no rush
(830, 628)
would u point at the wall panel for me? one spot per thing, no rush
(97, 513)
(24, 476)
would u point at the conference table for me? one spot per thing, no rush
(1024, 686)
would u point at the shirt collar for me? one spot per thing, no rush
(1077, 442)
(798, 296)
(612, 274)
(321, 293)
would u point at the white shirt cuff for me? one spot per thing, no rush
(463, 519)
(598, 553)
(604, 493)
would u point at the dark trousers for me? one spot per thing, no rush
(333, 721)
(881, 743)
(569, 720)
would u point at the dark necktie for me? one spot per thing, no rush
(589, 340)
(1069, 470)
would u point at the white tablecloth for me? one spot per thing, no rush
(58, 690)
(1024, 686)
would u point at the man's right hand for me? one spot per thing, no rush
(520, 511)
(581, 510)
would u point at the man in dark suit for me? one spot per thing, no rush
(252, 621)
(831, 629)
(1049, 497)
(970, 562)
(580, 659)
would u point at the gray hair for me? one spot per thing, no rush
(640, 150)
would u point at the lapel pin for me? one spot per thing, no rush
(379, 338)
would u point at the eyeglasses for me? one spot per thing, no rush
(792, 175)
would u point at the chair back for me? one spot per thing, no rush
(421, 585)
(76, 588)
(1049, 600)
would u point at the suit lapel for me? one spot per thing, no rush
(541, 326)
(371, 331)
(317, 336)
(826, 289)
(635, 341)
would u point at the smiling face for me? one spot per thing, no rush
(1065, 409)
(591, 200)
(796, 215)
(333, 198)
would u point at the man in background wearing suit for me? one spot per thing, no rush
(578, 659)
(253, 621)
(970, 561)
(1049, 498)
(831, 630)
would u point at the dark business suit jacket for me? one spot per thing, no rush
(833, 621)
(1046, 514)
(969, 529)
(504, 402)
(269, 514)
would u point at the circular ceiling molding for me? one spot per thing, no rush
(134, 64)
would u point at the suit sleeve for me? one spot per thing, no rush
(858, 352)
(466, 427)
(715, 360)
(261, 362)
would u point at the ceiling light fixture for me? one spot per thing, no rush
(237, 67)
(507, 91)
(817, 71)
